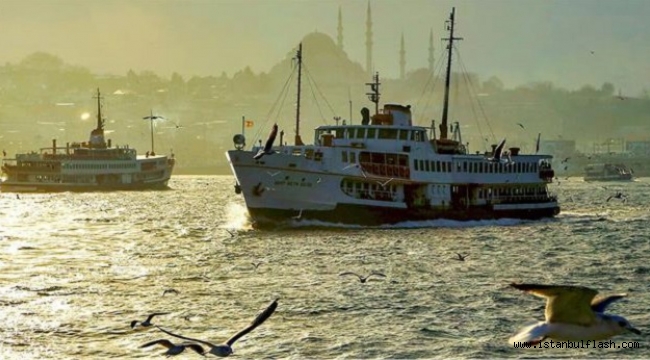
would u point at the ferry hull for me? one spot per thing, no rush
(363, 215)
(276, 195)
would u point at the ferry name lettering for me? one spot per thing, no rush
(293, 183)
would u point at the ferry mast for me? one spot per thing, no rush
(445, 108)
(298, 140)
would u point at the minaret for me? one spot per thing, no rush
(339, 38)
(402, 60)
(369, 42)
(431, 58)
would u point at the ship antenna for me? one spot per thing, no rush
(100, 121)
(445, 108)
(374, 94)
(298, 141)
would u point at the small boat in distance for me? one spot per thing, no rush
(607, 172)
(387, 171)
(87, 166)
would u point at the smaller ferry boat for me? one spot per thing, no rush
(87, 166)
(607, 172)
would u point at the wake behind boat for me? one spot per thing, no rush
(88, 166)
(387, 171)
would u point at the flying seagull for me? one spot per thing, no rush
(383, 184)
(175, 349)
(268, 147)
(618, 195)
(460, 257)
(153, 117)
(171, 291)
(147, 322)
(498, 151)
(362, 279)
(572, 314)
(521, 125)
(223, 350)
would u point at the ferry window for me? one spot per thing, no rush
(344, 156)
(403, 134)
(475, 167)
(353, 157)
(403, 160)
(458, 167)
(371, 133)
(388, 134)
(377, 158)
(359, 133)
(415, 164)
(464, 166)
(391, 159)
(364, 157)
(438, 166)
(339, 133)
(427, 166)
(421, 165)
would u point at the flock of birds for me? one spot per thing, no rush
(197, 345)
(572, 313)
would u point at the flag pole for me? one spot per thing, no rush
(243, 124)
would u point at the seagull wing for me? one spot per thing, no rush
(599, 304)
(211, 345)
(259, 154)
(259, 320)
(533, 334)
(164, 342)
(499, 149)
(376, 274)
(610, 198)
(196, 347)
(350, 273)
(154, 314)
(564, 304)
(269, 142)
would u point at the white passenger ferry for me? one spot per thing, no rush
(387, 171)
(87, 166)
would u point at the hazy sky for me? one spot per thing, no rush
(518, 41)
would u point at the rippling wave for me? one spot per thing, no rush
(76, 268)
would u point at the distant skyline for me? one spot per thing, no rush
(569, 43)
